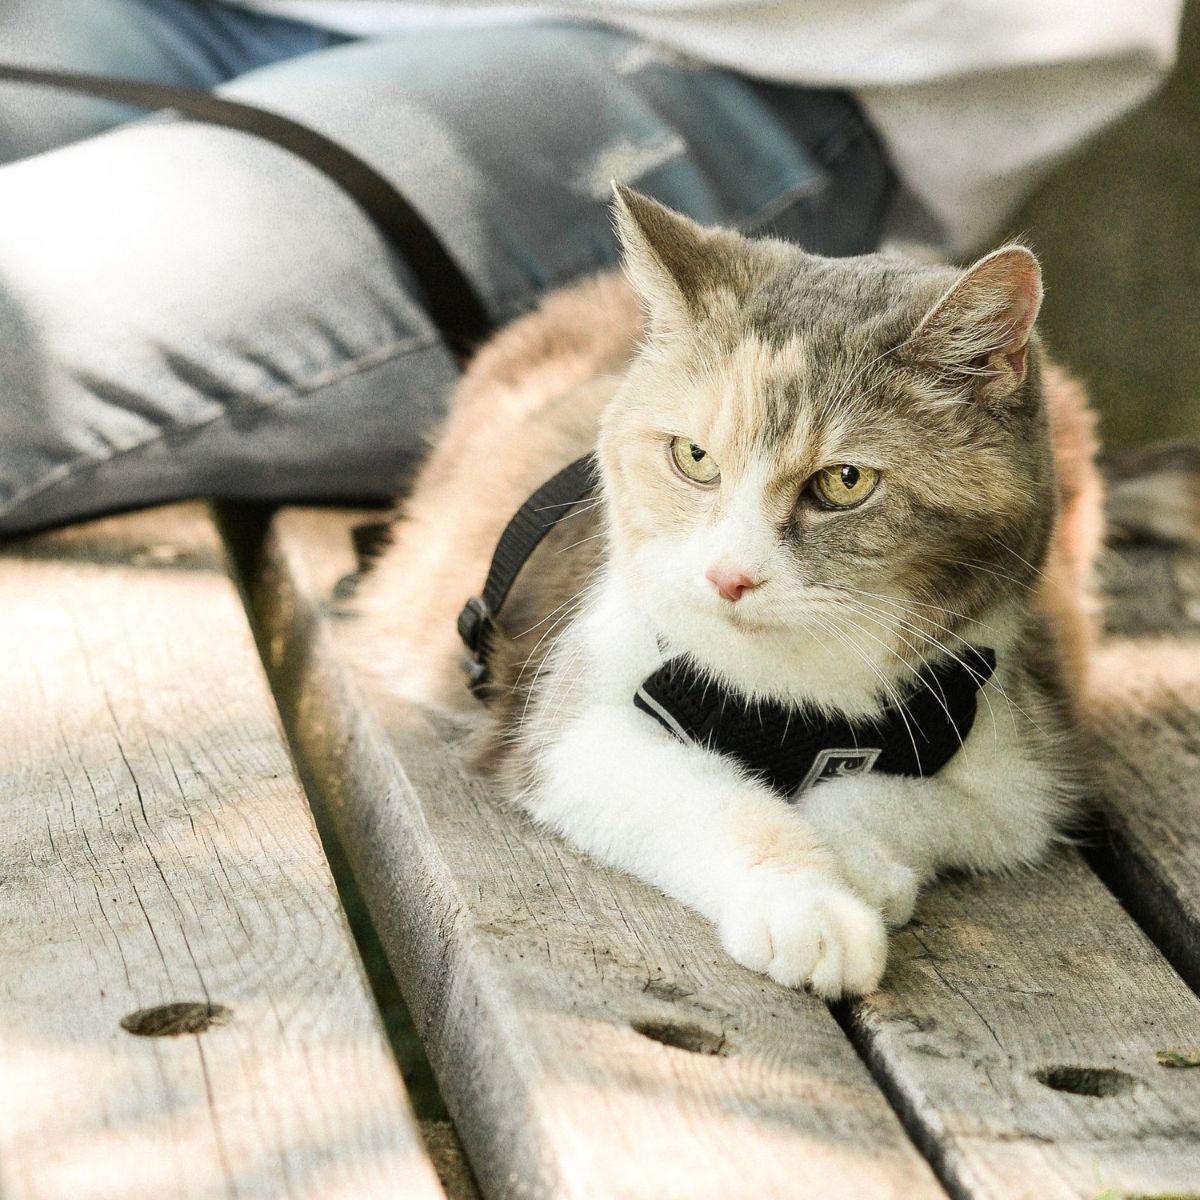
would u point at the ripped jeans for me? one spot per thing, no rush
(190, 311)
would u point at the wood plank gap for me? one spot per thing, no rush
(1146, 717)
(1147, 898)
(243, 528)
(904, 1107)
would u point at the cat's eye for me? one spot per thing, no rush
(844, 486)
(694, 461)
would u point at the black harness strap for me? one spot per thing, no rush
(450, 298)
(791, 749)
(522, 535)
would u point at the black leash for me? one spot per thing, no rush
(521, 537)
(453, 304)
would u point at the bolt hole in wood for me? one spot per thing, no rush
(171, 1020)
(691, 1038)
(1100, 1083)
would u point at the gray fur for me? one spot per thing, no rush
(843, 330)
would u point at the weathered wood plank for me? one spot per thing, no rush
(531, 971)
(156, 849)
(1017, 1027)
(1001, 979)
(1146, 707)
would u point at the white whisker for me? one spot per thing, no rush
(891, 691)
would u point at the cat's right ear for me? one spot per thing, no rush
(666, 257)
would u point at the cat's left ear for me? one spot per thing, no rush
(977, 335)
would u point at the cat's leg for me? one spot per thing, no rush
(997, 805)
(691, 823)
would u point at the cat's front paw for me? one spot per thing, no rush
(865, 863)
(804, 929)
(882, 882)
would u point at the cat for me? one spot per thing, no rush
(816, 475)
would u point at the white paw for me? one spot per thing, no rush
(882, 882)
(805, 930)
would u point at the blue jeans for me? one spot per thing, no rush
(192, 311)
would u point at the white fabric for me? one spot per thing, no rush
(974, 98)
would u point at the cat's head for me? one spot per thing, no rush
(845, 458)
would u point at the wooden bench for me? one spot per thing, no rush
(183, 1011)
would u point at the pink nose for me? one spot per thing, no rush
(731, 584)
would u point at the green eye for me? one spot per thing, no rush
(693, 461)
(844, 486)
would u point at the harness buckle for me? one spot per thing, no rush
(473, 622)
(477, 677)
(474, 627)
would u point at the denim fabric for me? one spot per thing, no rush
(196, 312)
(193, 43)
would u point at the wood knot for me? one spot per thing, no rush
(693, 1038)
(1101, 1083)
(170, 1020)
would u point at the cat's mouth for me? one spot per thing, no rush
(745, 621)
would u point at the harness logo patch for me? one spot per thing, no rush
(836, 764)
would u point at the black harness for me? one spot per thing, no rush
(789, 747)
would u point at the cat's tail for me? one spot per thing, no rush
(1068, 595)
